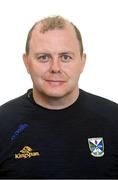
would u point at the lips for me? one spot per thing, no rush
(55, 82)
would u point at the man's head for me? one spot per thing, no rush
(51, 23)
(54, 58)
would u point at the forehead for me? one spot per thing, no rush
(65, 35)
(67, 28)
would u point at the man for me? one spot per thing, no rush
(57, 130)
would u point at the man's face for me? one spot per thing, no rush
(54, 62)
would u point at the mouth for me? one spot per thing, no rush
(55, 82)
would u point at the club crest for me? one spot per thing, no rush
(96, 146)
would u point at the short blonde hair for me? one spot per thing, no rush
(51, 23)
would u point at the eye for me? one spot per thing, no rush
(43, 58)
(66, 58)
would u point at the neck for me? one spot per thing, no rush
(55, 103)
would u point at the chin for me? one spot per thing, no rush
(56, 94)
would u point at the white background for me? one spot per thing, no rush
(98, 23)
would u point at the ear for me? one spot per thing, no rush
(83, 62)
(26, 61)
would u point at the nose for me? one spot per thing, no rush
(55, 66)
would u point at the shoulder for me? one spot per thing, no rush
(14, 108)
(99, 104)
(14, 103)
(13, 112)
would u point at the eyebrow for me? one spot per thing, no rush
(60, 53)
(41, 53)
(67, 52)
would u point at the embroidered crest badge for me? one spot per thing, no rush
(96, 146)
